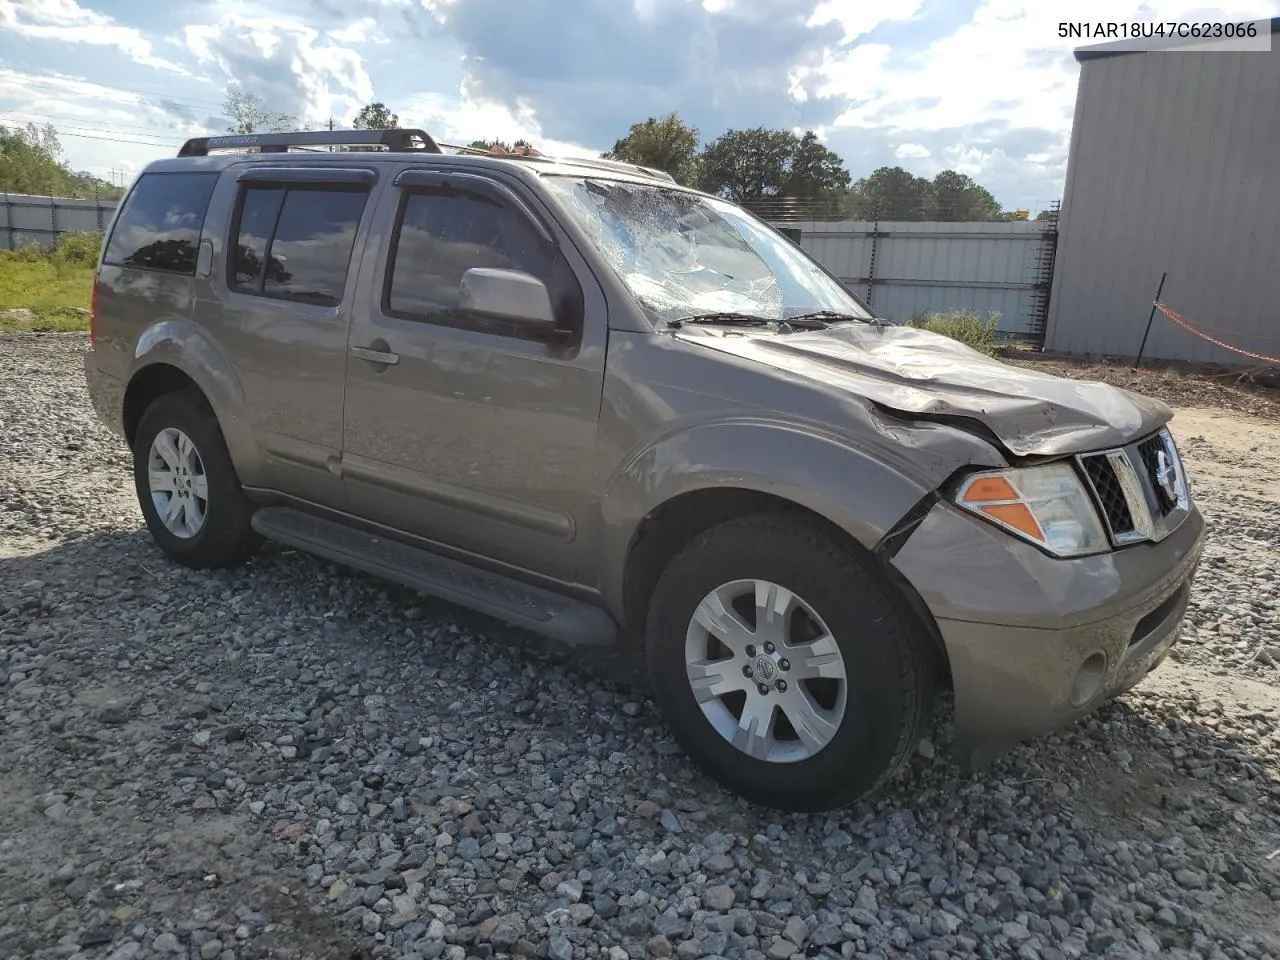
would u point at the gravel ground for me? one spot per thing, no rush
(291, 760)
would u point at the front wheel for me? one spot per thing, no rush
(785, 665)
(187, 486)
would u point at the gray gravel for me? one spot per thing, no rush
(291, 760)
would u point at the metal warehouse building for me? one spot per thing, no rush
(1174, 166)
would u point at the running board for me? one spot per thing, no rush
(511, 601)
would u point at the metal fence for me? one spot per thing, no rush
(25, 219)
(904, 269)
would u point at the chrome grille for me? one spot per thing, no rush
(1110, 497)
(1140, 488)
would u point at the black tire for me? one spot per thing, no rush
(225, 538)
(889, 667)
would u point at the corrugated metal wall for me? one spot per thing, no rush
(25, 220)
(1174, 166)
(903, 269)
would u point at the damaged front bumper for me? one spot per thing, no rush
(1034, 642)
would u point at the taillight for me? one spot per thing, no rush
(93, 315)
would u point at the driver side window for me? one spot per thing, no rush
(441, 232)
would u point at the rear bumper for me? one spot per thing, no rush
(1035, 643)
(106, 393)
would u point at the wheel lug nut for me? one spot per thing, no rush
(782, 686)
(746, 671)
(751, 650)
(784, 664)
(764, 689)
(768, 648)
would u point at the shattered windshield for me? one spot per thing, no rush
(683, 255)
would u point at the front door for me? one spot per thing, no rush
(462, 430)
(282, 311)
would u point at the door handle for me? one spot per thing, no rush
(375, 356)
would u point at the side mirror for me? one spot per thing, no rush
(510, 295)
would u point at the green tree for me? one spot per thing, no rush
(30, 162)
(665, 143)
(248, 114)
(816, 170)
(747, 164)
(891, 193)
(502, 145)
(376, 116)
(956, 197)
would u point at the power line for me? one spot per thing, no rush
(62, 85)
(144, 132)
(98, 136)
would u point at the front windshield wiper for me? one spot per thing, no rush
(829, 316)
(728, 319)
(817, 320)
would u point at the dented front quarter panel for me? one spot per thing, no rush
(677, 418)
(926, 375)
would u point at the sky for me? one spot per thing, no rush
(985, 87)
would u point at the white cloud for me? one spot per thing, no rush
(286, 62)
(364, 30)
(912, 151)
(859, 19)
(999, 66)
(67, 21)
(465, 117)
(101, 128)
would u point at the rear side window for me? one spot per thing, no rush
(295, 242)
(159, 227)
(444, 231)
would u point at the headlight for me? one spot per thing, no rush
(1046, 505)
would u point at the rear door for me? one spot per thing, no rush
(477, 436)
(282, 310)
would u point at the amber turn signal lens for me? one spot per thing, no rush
(1016, 515)
(987, 489)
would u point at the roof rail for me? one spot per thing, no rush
(400, 141)
(622, 167)
(600, 164)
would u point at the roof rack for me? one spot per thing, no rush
(600, 164)
(400, 141)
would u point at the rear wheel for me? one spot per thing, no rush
(785, 665)
(187, 485)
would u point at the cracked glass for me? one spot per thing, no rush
(683, 254)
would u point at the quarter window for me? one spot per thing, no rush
(295, 243)
(443, 232)
(159, 226)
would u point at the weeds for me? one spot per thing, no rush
(963, 325)
(46, 290)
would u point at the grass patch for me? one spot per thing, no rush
(963, 325)
(49, 290)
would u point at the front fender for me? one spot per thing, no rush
(864, 492)
(186, 346)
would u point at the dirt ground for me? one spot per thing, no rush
(1232, 449)
(1253, 391)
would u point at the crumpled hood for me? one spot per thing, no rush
(913, 371)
